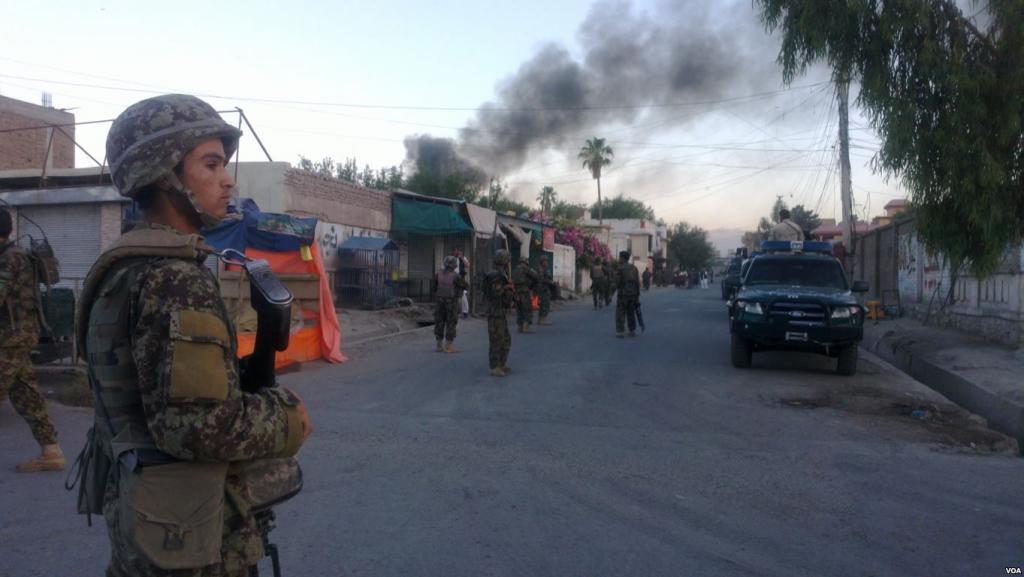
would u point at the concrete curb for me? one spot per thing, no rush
(1003, 414)
(387, 336)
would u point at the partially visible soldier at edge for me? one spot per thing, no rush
(525, 279)
(628, 288)
(499, 293)
(545, 290)
(19, 332)
(171, 416)
(447, 286)
(597, 281)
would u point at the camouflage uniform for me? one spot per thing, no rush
(611, 269)
(179, 434)
(524, 277)
(544, 290)
(19, 332)
(448, 304)
(499, 301)
(628, 283)
(597, 288)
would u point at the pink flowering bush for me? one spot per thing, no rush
(587, 246)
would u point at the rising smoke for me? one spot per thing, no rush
(680, 52)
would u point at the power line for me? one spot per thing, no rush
(421, 108)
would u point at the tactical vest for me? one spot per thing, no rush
(446, 284)
(103, 322)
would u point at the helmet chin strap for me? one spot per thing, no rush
(208, 220)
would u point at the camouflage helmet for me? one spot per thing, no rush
(501, 257)
(450, 262)
(152, 136)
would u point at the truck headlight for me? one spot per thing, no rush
(750, 308)
(844, 313)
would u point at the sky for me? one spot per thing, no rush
(713, 145)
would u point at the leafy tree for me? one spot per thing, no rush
(595, 155)
(943, 95)
(498, 201)
(547, 198)
(567, 212)
(622, 207)
(324, 167)
(689, 246)
(349, 171)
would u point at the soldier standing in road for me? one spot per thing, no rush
(447, 286)
(611, 281)
(500, 293)
(525, 279)
(786, 229)
(597, 282)
(628, 284)
(544, 289)
(19, 332)
(173, 427)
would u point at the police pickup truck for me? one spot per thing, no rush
(795, 296)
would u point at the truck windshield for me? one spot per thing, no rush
(796, 272)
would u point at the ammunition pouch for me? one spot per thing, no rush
(173, 514)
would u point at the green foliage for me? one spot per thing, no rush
(497, 200)
(567, 212)
(383, 179)
(689, 246)
(945, 98)
(547, 198)
(622, 207)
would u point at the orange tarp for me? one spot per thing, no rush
(323, 340)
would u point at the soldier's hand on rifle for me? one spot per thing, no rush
(307, 425)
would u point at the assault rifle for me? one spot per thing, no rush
(272, 302)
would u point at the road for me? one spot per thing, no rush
(600, 457)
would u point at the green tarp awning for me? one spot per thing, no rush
(426, 218)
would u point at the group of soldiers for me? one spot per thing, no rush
(505, 288)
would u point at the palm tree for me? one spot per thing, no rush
(547, 197)
(595, 154)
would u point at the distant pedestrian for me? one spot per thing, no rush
(447, 286)
(545, 291)
(647, 279)
(628, 288)
(597, 283)
(463, 270)
(525, 279)
(499, 293)
(786, 229)
(704, 279)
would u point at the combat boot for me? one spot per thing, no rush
(507, 370)
(527, 329)
(619, 335)
(440, 346)
(544, 321)
(497, 372)
(51, 459)
(450, 348)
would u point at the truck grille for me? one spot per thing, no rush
(799, 314)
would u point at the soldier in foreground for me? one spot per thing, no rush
(19, 332)
(544, 292)
(628, 288)
(524, 278)
(499, 293)
(173, 430)
(447, 286)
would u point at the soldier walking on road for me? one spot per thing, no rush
(544, 291)
(175, 442)
(525, 279)
(628, 284)
(19, 332)
(447, 286)
(500, 293)
(611, 269)
(597, 283)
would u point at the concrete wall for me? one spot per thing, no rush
(27, 148)
(903, 272)
(564, 266)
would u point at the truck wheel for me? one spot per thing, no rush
(847, 365)
(741, 352)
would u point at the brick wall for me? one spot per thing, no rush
(27, 148)
(336, 201)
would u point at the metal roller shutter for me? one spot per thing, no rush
(74, 234)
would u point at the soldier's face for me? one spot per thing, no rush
(204, 172)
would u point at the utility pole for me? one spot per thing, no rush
(843, 94)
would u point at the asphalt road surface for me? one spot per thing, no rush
(600, 457)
